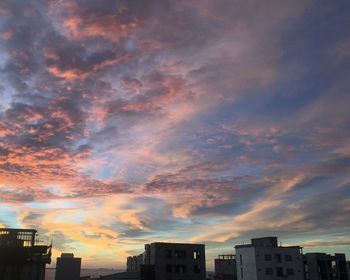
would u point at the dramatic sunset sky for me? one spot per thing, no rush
(124, 122)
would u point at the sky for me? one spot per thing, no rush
(125, 122)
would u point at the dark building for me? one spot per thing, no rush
(321, 266)
(170, 261)
(133, 264)
(225, 267)
(120, 276)
(68, 267)
(20, 257)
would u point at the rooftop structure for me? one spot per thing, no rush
(20, 257)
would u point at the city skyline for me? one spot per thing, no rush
(129, 122)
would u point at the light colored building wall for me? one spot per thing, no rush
(265, 260)
(286, 260)
(246, 263)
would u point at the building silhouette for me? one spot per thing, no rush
(163, 261)
(120, 276)
(225, 267)
(133, 263)
(68, 267)
(263, 259)
(20, 257)
(321, 266)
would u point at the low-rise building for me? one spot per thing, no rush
(264, 259)
(225, 267)
(170, 261)
(321, 266)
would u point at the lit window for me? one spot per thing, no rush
(196, 255)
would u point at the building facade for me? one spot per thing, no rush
(133, 263)
(20, 257)
(170, 261)
(321, 266)
(225, 267)
(68, 267)
(263, 259)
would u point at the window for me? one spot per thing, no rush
(278, 258)
(168, 253)
(180, 254)
(268, 257)
(279, 271)
(290, 271)
(180, 268)
(334, 264)
(240, 259)
(288, 258)
(197, 268)
(241, 272)
(268, 271)
(169, 268)
(196, 255)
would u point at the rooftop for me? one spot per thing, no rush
(269, 241)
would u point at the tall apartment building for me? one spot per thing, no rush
(170, 261)
(225, 267)
(21, 258)
(321, 266)
(348, 266)
(263, 259)
(68, 267)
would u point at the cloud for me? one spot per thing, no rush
(124, 122)
(343, 241)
